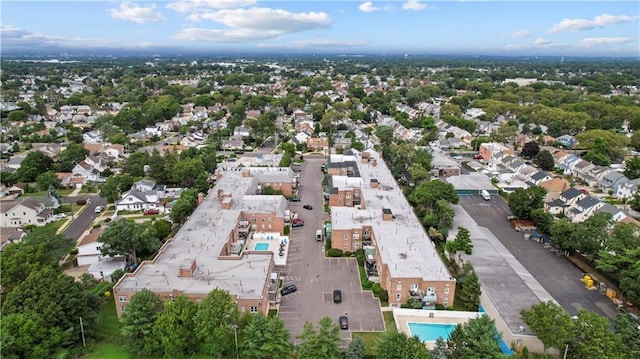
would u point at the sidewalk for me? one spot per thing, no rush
(75, 192)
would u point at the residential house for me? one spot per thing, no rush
(554, 186)
(566, 200)
(443, 165)
(567, 163)
(89, 248)
(616, 213)
(627, 190)
(612, 180)
(24, 212)
(538, 177)
(92, 137)
(343, 143)
(232, 144)
(241, 132)
(583, 209)
(10, 236)
(491, 151)
(301, 137)
(596, 175)
(85, 170)
(567, 141)
(114, 151)
(317, 143)
(582, 169)
(558, 157)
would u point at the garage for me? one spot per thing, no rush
(472, 184)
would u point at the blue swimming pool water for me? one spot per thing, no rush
(429, 332)
(261, 246)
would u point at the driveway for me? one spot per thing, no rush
(316, 276)
(82, 222)
(554, 272)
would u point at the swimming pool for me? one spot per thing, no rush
(429, 332)
(261, 246)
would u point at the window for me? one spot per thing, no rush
(399, 286)
(346, 245)
(24, 213)
(340, 196)
(414, 287)
(346, 237)
(431, 290)
(269, 219)
(253, 309)
(97, 248)
(356, 245)
(445, 301)
(123, 308)
(269, 226)
(253, 219)
(398, 296)
(356, 236)
(446, 290)
(243, 309)
(122, 299)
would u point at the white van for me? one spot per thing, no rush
(319, 235)
(485, 194)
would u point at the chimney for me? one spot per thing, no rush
(246, 173)
(374, 183)
(200, 197)
(187, 267)
(387, 215)
(220, 192)
(226, 202)
(374, 163)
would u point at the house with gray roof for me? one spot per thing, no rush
(612, 180)
(627, 189)
(24, 212)
(538, 177)
(567, 163)
(616, 213)
(583, 209)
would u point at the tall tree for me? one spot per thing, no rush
(523, 201)
(550, 323)
(321, 342)
(621, 254)
(440, 349)
(174, 328)
(544, 159)
(47, 180)
(34, 163)
(265, 338)
(356, 349)
(216, 313)
(138, 321)
(157, 168)
(131, 239)
(593, 338)
(632, 168)
(384, 134)
(530, 149)
(463, 240)
(470, 292)
(478, 338)
(397, 345)
(626, 328)
(186, 172)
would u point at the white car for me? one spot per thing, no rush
(99, 209)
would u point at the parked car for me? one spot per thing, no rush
(307, 206)
(288, 289)
(99, 209)
(477, 156)
(295, 199)
(81, 202)
(344, 322)
(151, 211)
(297, 223)
(337, 296)
(584, 191)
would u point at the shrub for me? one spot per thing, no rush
(367, 284)
(348, 254)
(108, 219)
(376, 289)
(74, 251)
(287, 230)
(334, 252)
(384, 296)
(439, 306)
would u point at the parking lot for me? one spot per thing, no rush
(554, 272)
(315, 276)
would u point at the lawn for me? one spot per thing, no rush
(370, 338)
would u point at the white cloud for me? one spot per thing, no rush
(227, 35)
(368, 7)
(596, 41)
(315, 43)
(203, 5)
(266, 19)
(414, 5)
(136, 13)
(521, 34)
(541, 42)
(15, 37)
(603, 20)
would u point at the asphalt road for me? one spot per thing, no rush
(316, 276)
(82, 222)
(554, 272)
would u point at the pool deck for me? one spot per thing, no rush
(403, 317)
(273, 239)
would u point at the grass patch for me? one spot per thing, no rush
(108, 323)
(370, 339)
(272, 313)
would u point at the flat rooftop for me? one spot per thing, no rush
(202, 238)
(402, 242)
(509, 286)
(471, 181)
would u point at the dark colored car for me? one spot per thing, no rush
(297, 224)
(337, 296)
(288, 289)
(295, 199)
(344, 322)
(307, 206)
(477, 156)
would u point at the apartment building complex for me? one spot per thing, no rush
(370, 211)
(209, 251)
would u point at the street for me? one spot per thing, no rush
(82, 221)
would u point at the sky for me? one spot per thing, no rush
(412, 27)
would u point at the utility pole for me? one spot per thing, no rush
(84, 343)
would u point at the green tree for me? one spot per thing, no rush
(542, 220)
(384, 134)
(184, 206)
(216, 313)
(544, 159)
(428, 193)
(593, 338)
(321, 342)
(138, 322)
(478, 338)
(356, 349)
(463, 240)
(440, 349)
(470, 292)
(157, 168)
(523, 201)
(163, 229)
(550, 323)
(187, 171)
(265, 338)
(530, 149)
(134, 164)
(131, 239)
(34, 163)
(47, 180)
(26, 335)
(620, 254)
(632, 168)
(627, 329)
(562, 234)
(74, 153)
(174, 328)
(17, 116)
(397, 345)
(114, 186)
